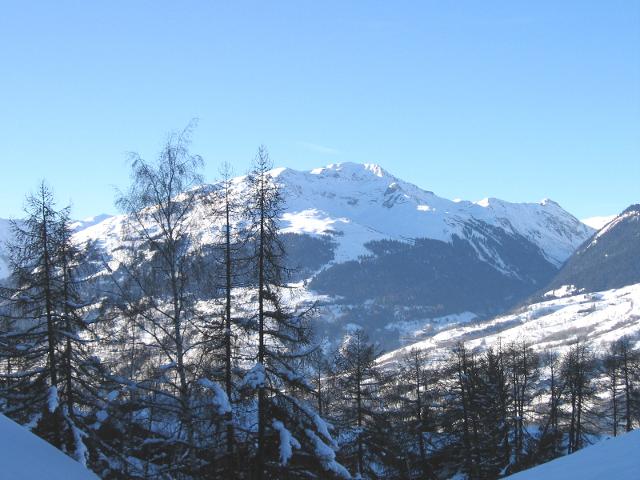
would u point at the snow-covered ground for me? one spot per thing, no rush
(25, 456)
(414, 329)
(615, 459)
(596, 318)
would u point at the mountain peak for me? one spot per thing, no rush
(547, 201)
(351, 169)
(89, 222)
(632, 209)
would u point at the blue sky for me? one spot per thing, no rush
(516, 100)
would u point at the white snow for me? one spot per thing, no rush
(5, 236)
(52, 398)
(598, 222)
(81, 453)
(254, 378)
(563, 291)
(414, 329)
(358, 203)
(24, 456)
(616, 220)
(596, 318)
(220, 399)
(365, 203)
(615, 458)
(287, 442)
(89, 222)
(327, 455)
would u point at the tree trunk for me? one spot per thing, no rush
(261, 285)
(227, 332)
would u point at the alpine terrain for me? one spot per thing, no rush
(378, 252)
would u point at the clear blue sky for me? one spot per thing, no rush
(512, 99)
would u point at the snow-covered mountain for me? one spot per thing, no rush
(5, 236)
(598, 222)
(363, 202)
(376, 250)
(401, 254)
(571, 308)
(79, 225)
(610, 259)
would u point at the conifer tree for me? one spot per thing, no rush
(522, 365)
(577, 372)
(292, 439)
(359, 382)
(549, 441)
(415, 389)
(52, 379)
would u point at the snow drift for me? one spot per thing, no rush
(25, 456)
(615, 458)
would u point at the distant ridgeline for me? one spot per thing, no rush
(610, 259)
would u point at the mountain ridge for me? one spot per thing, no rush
(420, 256)
(609, 259)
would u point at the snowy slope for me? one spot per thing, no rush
(25, 456)
(597, 318)
(6, 236)
(365, 202)
(79, 225)
(615, 458)
(336, 212)
(598, 222)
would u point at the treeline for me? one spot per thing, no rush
(481, 414)
(180, 356)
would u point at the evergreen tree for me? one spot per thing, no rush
(577, 372)
(292, 439)
(524, 372)
(495, 402)
(460, 418)
(549, 440)
(228, 209)
(52, 380)
(415, 388)
(359, 382)
(629, 363)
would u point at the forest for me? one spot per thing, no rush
(182, 357)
